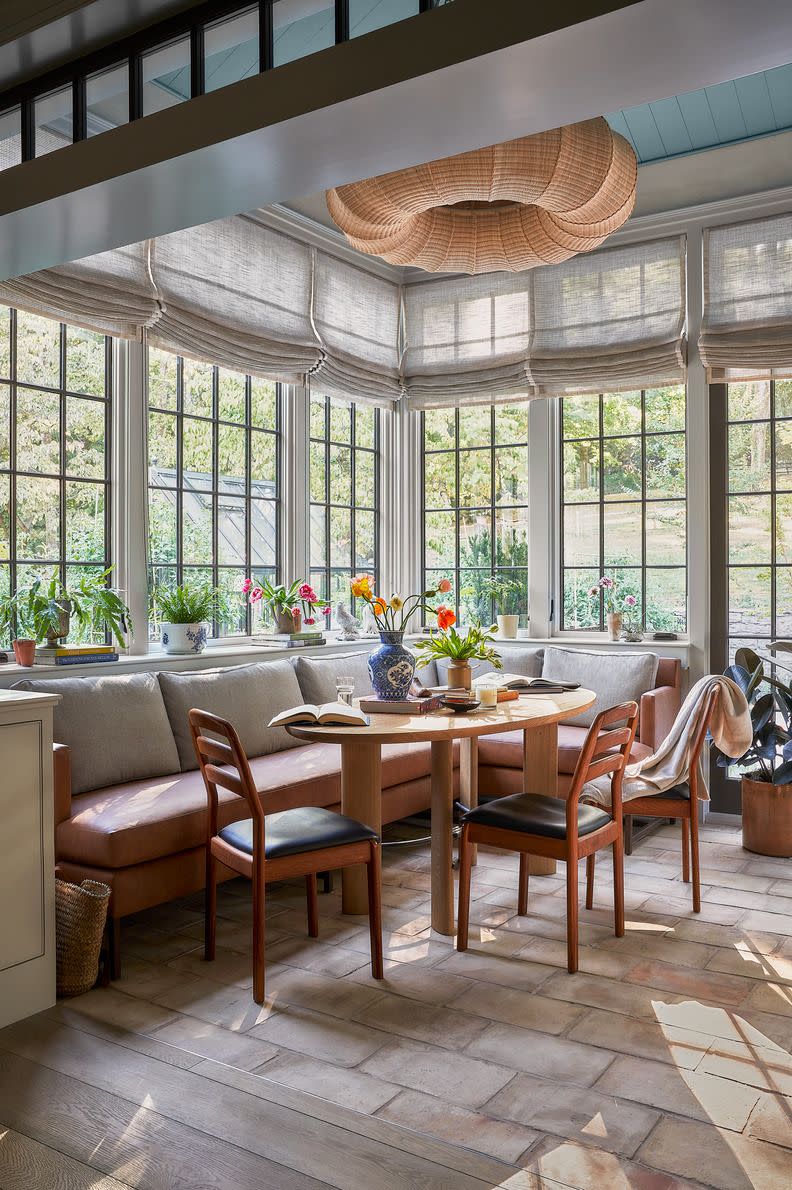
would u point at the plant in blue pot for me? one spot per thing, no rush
(391, 666)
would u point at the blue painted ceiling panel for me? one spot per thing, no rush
(720, 115)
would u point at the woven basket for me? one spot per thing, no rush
(80, 915)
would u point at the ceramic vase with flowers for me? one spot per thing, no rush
(478, 644)
(291, 607)
(392, 666)
(616, 605)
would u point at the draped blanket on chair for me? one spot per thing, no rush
(730, 728)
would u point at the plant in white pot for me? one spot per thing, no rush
(183, 616)
(506, 594)
(766, 768)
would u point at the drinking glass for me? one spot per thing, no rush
(345, 688)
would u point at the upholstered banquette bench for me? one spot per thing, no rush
(130, 806)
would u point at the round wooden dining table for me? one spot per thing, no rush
(536, 715)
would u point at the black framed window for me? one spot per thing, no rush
(759, 513)
(55, 424)
(344, 495)
(623, 505)
(214, 478)
(475, 498)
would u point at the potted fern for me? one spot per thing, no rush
(45, 609)
(458, 651)
(183, 615)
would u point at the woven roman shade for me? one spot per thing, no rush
(356, 315)
(746, 330)
(238, 294)
(466, 339)
(610, 321)
(112, 293)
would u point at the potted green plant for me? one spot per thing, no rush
(290, 607)
(44, 609)
(476, 645)
(183, 614)
(766, 768)
(506, 593)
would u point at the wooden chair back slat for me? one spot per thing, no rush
(233, 773)
(606, 749)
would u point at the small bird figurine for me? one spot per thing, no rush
(350, 629)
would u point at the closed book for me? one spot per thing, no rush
(283, 636)
(74, 650)
(77, 659)
(402, 706)
(290, 644)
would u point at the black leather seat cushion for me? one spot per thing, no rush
(293, 832)
(535, 814)
(676, 791)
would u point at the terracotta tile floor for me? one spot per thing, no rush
(665, 1062)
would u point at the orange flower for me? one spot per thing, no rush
(361, 587)
(444, 586)
(445, 617)
(379, 606)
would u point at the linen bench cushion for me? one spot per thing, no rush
(115, 726)
(247, 695)
(143, 820)
(317, 676)
(614, 677)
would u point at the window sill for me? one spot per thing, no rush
(241, 652)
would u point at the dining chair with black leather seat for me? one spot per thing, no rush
(276, 846)
(558, 828)
(680, 801)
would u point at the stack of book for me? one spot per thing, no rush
(414, 705)
(75, 654)
(289, 640)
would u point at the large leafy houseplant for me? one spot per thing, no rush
(766, 767)
(289, 606)
(44, 609)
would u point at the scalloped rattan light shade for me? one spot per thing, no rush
(528, 202)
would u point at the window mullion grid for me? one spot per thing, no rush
(493, 518)
(352, 488)
(601, 519)
(109, 551)
(643, 508)
(179, 470)
(62, 456)
(248, 560)
(215, 482)
(458, 517)
(266, 35)
(12, 576)
(773, 502)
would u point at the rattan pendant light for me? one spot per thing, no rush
(533, 201)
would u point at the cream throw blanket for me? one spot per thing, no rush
(730, 728)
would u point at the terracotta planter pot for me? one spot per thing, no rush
(287, 622)
(24, 651)
(460, 675)
(766, 817)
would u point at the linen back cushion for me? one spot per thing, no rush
(247, 695)
(116, 727)
(317, 676)
(614, 677)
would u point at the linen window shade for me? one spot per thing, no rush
(613, 320)
(467, 339)
(238, 294)
(746, 330)
(356, 315)
(111, 293)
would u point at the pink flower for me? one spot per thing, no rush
(307, 593)
(630, 601)
(296, 611)
(255, 594)
(309, 620)
(444, 586)
(606, 583)
(246, 585)
(593, 591)
(326, 611)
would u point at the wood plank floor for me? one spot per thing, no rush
(664, 1063)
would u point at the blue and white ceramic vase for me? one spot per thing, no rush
(391, 668)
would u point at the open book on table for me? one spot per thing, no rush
(525, 685)
(327, 714)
